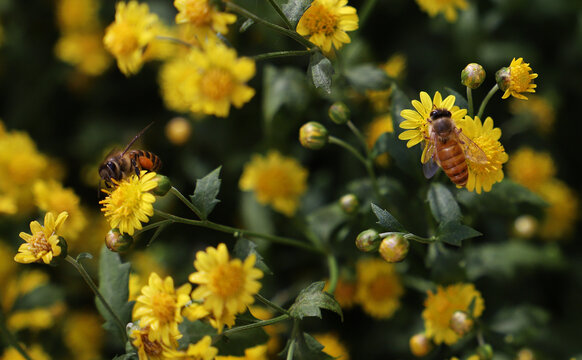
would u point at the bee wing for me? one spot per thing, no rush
(472, 151)
(430, 168)
(429, 162)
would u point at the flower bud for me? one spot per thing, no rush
(525, 226)
(62, 243)
(349, 203)
(339, 113)
(313, 135)
(473, 75)
(485, 352)
(420, 345)
(461, 323)
(164, 185)
(118, 242)
(394, 248)
(502, 77)
(178, 130)
(368, 240)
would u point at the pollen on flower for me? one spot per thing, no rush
(217, 84)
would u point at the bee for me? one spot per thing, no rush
(449, 148)
(119, 165)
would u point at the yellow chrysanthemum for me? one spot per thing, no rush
(159, 308)
(562, 213)
(225, 286)
(126, 38)
(379, 288)
(34, 351)
(178, 80)
(345, 292)
(202, 350)
(130, 203)
(85, 51)
(148, 349)
(325, 23)
(440, 306)
(276, 180)
(520, 80)
(482, 176)
(43, 243)
(538, 109)
(332, 346)
(203, 17)
(75, 15)
(531, 168)
(447, 7)
(79, 327)
(380, 125)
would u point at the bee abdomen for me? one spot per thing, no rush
(453, 163)
(147, 160)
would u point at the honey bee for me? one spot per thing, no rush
(119, 165)
(449, 148)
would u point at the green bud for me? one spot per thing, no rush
(62, 243)
(420, 345)
(368, 240)
(349, 203)
(339, 113)
(394, 248)
(473, 75)
(118, 242)
(461, 323)
(485, 352)
(313, 135)
(164, 185)
(502, 77)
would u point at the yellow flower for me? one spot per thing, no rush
(43, 243)
(379, 288)
(79, 327)
(538, 110)
(127, 37)
(440, 306)
(225, 286)
(34, 351)
(35, 319)
(76, 15)
(148, 349)
(202, 350)
(380, 125)
(159, 308)
(345, 292)
(447, 7)
(130, 203)
(325, 23)
(482, 175)
(178, 80)
(395, 65)
(531, 168)
(332, 346)
(85, 51)
(562, 213)
(520, 80)
(204, 17)
(276, 180)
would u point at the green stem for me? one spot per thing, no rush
(280, 54)
(153, 226)
(256, 324)
(419, 239)
(365, 12)
(10, 338)
(470, 101)
(271, 304)
(333, 273)
(239, 232)
(358, 134)
(178, 41)
(93, 287)
(486, 100)
(291, 351)
(281, 14)
(189, 204)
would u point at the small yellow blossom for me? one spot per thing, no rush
(43, 243)
(538, 109)
(276, 180)
(562, 214)
(202, 350)
(77, 15)
(80, 326)
(34, 351)
(203, 17)
(178, 80)
(440, 306)
(447, 7)
(531, 168)
(148, 349)
(326, 22)
(332, 346)
(225, 286)
(380, 125)
(131, 202)
(85, 51)
(520, 80)
(379, 288)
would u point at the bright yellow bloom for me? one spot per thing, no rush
(520, 80)
(130, 203)
(562, 214)
(440, 306)
(79, 327)
(43, 243)
(225, 286)
(126, 38)
(203, 17)
(34, 351)
(531, 168)
(159, 308)
(178, 80)
(447, 7)
(380, 125)
(276, 180)
(202, 350)
(325, 23)
(148, 349)
(482, 176)
(379, 287)
(85, 51)
(539, 110)
(332, 346)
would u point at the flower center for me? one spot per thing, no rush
(125, 41)
(318, 19)
(520, 79)
(381, 288)
(39, 244)
(126, 199)
(274, 182)
(217, 84)
(198, 12)
(164, 306)
(153, 348)
(226, 280)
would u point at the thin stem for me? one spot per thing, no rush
(358, 134)
(291, 351)
(176, 40)
(419, 239)
(281, 54)
(470, 101)
(155, 225)
(486, 100)
(256, 324)
(189, 204)
(10, 338)
(350, 148)
(333, 273)
(93, 287)
(269, 303)
(281, 14)
(365, 12)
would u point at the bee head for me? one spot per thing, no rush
(109, 170)
(439, 113)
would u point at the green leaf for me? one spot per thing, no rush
(442, 204)
(194, 331)
(306, 348)
(244, 247)
(283, 87)
(114, 286)
(311, 300)
(453, 232)
(294, 9)
(207, 188)
(521, 322)
(236, 343)
(320, 71)
(325, 220)
(38, 297)
(367, 77)
(386, 219)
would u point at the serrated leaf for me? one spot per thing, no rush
(442, 204)
(311, 300)
(42, 296)
(320, 71)
(294, 9)
(207, 188)
(325, 220)
(386, 219)
(453, 232)
(367, 77)
(285, 87)
(244, 247)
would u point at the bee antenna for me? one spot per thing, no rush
(136, 137)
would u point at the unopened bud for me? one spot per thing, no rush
(313, 135)
(349, 203)
(339, 113)
(178, 130)
(461, 323)
(164, 185)
(394, 248)
(420, 345)
(473, 75)
(368, 240)
(502, 77)
(485, 352)
(525, 226)
(62, 243)
(118, 242)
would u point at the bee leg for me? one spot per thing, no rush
(134, 166)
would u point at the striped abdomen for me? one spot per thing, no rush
(145, 160)
(452, 160)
